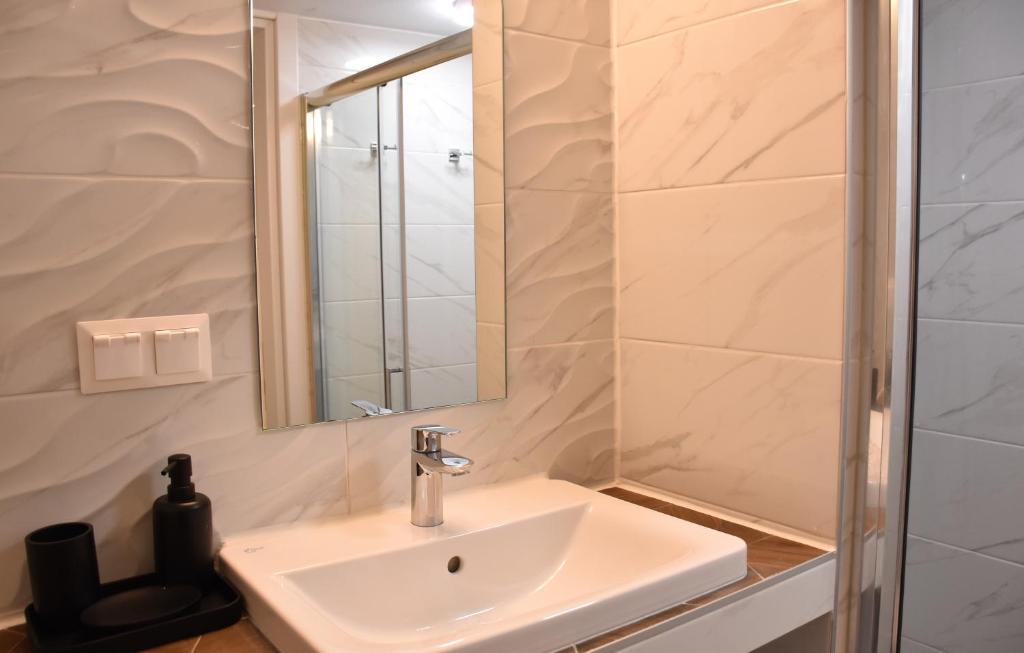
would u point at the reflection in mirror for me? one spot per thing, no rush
(380, 249)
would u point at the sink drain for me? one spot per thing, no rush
(454, 564)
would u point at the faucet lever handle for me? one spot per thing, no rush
(426, 438)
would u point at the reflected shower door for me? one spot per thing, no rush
(350, 309)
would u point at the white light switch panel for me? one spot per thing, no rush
(117, 356)
(143, 352)
(177, 350)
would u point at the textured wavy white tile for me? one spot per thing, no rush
(756, 96)
(972, 142)
(970, 41)
(731, 266)
(557, 420)
(639, 19)
(960, 602)
(168, 248)
(135, 98)
(560, 268)
(969, 264)
(558, 114)
(98, 458)
(964, 492)
(751, 432)
(577, 20)
(970, 379)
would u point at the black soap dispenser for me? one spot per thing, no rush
(183, 529)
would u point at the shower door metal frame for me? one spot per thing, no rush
(872, 529)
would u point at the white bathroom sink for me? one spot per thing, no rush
(541, 564)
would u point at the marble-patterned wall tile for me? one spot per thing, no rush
(965, 492)
(756, 433)
(908, 645)
(439, 260)
(170, 247)
(971, 41)
(971, 142)
(351, 337)
(576, 20)
(442, 331)
(641, 19)
(730, 266)
(140, 89)
(970, 379)
(756, 96)
(443, 386)
(438, 191)
(560, 267)
(969, 264)
(350, 262)
(347, 186)
(556, 420)
(558, 113)
(342, 391)
(961, 602)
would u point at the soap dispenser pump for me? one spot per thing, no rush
(183, 529)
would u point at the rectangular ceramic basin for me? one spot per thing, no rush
(529, 566)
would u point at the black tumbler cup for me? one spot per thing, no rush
(63, 572)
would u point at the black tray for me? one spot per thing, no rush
(220, 607)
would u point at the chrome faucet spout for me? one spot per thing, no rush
(443, 462)
(430, 464)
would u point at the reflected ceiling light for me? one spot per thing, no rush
(459, 11)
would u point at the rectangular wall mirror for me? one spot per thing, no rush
(380, 232)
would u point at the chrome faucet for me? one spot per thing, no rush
(429, 465)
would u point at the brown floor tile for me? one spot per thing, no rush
(240, 638)
(9, 639)
(181, 646)
(745, 533)
(748, 580)
(774, 554)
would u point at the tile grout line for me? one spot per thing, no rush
(973, 438)
(712, 21)
(816, 359)
(95, 177)
(949, 320)
(963, 550)
(974, 82)
(741, 182)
